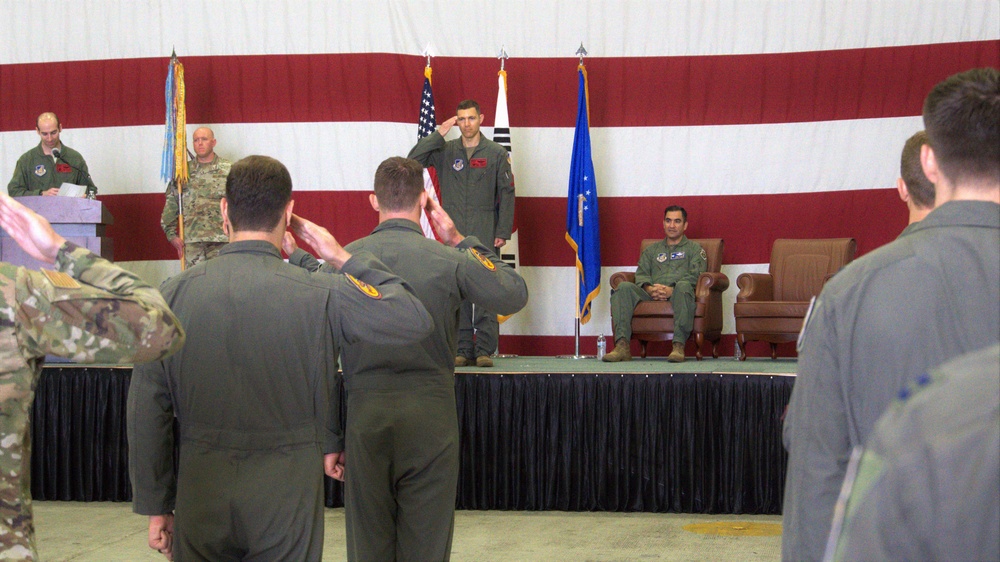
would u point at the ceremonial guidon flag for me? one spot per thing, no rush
(174, 162)
(582, 230)
(426, 124)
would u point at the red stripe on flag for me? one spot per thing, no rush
(137, 235)
(625, 91)
(749, 224)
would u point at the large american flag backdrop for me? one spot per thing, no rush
(765, 119)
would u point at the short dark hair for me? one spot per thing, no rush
(674, 208)
(398, 183)
(469, 104)
(257, 190)
(962, 119)
(920, 188)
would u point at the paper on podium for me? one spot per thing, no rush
(72, 190)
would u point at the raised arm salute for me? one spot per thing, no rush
(86, 309)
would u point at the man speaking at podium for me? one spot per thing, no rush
(41, 170)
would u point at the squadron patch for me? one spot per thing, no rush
(677, 255)
(40, 170)
(704, 254)
(482, 259)
(458, 165)
(661, 257)
(365, 288)
(60, 280)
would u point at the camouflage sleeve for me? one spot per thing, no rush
(92, 311)
(168, 219)
(375, 305)
(487, 281)
(150, 430)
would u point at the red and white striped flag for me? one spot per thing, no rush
(426, 124)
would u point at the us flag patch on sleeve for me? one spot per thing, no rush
(60, 280)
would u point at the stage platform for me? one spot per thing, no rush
(537, 433)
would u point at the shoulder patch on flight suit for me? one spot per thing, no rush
(482, 259)
(704, 254)
(60, 280)
(365, 288)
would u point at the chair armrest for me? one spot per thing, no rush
(755, 287)
(620, 277)
(710, 281)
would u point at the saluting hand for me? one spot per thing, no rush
(321, 240)
(442, 223)
(447, 125)
(30, 230)
(288, 244)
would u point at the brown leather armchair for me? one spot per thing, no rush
(654, 320)
(771, 306)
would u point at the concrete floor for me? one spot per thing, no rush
(110, 531)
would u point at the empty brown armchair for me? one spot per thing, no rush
(654, 320)
(771, 306)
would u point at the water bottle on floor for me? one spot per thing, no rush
(601, 347)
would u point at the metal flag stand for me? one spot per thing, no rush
(576, 335)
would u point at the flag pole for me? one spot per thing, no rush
(582, 52)
(502, 56)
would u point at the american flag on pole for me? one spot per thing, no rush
(427, 121)
(426, 124)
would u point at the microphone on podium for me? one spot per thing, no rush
(91, 190)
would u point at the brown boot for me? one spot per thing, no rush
(621, 352)
(484, 361)
(462, 361)
(677, 354)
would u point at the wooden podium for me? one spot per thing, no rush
(81, 221)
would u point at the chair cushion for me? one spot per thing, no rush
(771, 309)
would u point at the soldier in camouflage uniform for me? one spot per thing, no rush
(87, 310)
(203, 230)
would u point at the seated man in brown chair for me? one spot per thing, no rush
(668, 270)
